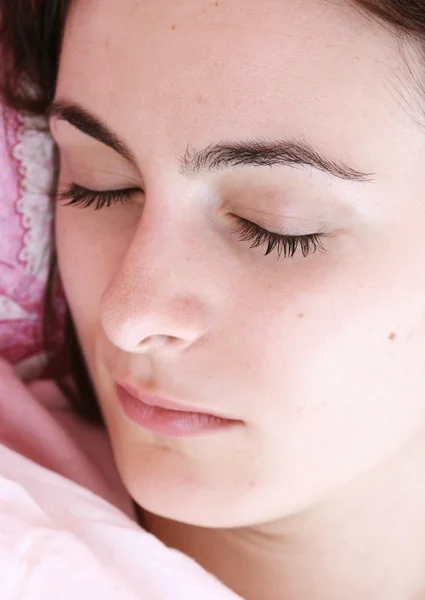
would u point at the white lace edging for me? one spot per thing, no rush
(34, 151)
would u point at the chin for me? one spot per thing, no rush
(168, 484)
(176, 494)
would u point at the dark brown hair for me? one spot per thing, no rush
(30, 40)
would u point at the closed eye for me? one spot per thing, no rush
(77, 195)
(284, 245)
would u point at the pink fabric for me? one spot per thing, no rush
(25, 179)
(36, 421)
(67, 527)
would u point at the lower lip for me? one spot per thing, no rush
(171, 423)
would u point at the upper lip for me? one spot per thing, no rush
(153, 398)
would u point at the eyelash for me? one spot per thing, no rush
(84, 198)
(284, 245)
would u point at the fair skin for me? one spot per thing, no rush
(319, 492)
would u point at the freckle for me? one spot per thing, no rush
(173, 27)
(392, 336)
(300, 315)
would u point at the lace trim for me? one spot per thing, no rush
(34, 151)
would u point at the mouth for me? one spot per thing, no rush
(168, 417)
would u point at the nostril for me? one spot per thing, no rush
(157, 341)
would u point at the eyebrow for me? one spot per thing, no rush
(216, 157)
(87, 123)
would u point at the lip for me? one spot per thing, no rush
(166, 417)
(157, 400)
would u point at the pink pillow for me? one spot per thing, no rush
(26, 151)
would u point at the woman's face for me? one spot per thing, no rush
(303, 118)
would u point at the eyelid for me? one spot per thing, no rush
(96, 175)
(279, 225)
(96, 168)
(291, 224)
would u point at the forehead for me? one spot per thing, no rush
(204, 70)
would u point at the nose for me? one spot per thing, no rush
(156, 300)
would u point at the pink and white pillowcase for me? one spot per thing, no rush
(26, 170)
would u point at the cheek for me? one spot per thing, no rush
(334, 352)
(333, 380)
(89, 255)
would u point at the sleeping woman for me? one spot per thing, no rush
(239, 215)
